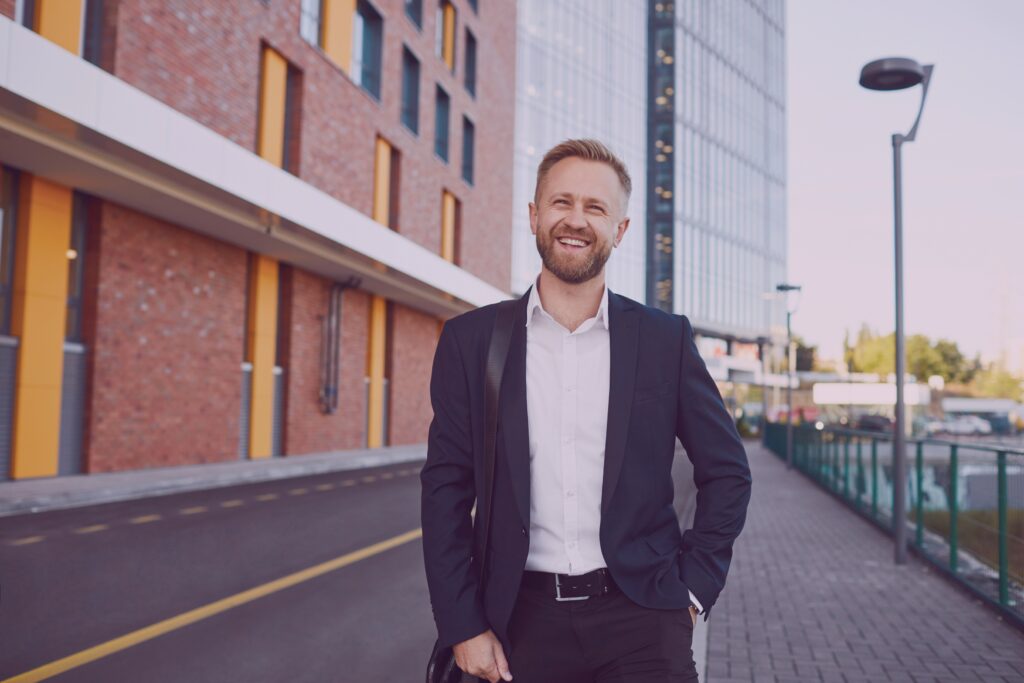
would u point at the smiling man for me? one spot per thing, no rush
(588, 578)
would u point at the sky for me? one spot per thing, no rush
(963, 177)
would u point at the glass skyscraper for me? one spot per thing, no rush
(729, 125)
(579, 73)
(691, 94)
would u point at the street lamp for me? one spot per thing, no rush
(792, 302)
(898, 73)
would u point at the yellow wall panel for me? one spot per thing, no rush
(61, 22)
(273, 90)
(337, 20)
(375, 370)
(262, 353)
(37, 319)
(382, 183)
(448, 51)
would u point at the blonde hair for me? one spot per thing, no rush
(587, 149)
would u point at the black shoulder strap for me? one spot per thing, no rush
(497, 354)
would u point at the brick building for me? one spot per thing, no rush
(233, 229)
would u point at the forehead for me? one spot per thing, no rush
(577, 176)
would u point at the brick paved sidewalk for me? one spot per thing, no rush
(813, 595)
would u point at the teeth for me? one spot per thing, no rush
(569, 240)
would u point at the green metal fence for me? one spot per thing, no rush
(965, 500)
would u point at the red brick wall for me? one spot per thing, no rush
(413, 338)
(166, 338)
(165, 344)
(205, 63)
(7, 8)
(309, 430)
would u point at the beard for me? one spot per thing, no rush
(570, 268)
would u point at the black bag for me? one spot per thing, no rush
(441, 668)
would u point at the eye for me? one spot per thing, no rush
(596, 207)
(563, 202)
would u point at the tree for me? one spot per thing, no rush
(996, 382)
(924, 360)
(873, 353)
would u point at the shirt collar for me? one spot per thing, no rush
(534, 303)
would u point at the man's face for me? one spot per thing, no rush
(578, 217)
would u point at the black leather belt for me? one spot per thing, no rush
(563, 587)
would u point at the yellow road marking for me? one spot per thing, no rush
(232, 503)
(267, 496)
(349, 482)
(324, 487)
(193, 510)
(27, 540)
(167, 625)
(369, 478)
(92, 529)
(386, 475)
(145, 519)
(298, 492)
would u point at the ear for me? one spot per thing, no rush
(533, 218)
(620, 230)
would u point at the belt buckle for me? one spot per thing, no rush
(558, 593)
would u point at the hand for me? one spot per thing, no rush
(693, 614)
(482, 656)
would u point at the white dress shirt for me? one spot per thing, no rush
(567, 375)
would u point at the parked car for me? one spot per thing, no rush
(930, 426)
(1000, 424)
(967, 425)
(875, 423)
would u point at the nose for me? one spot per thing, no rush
(576, 218)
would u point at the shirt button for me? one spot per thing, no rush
(570, 494)
(524, 531)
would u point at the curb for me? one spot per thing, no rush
(60, 493)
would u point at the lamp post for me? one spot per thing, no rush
(898, 73)
(791, 305)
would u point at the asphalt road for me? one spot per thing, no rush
(113, 575)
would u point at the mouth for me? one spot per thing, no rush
(572, 243)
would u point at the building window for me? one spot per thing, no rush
(25, 13)
(81, 33)
(386, 178)
(92, 35)
(441, 108)
(410, 91)
(445, 33)
(279, 111)
(470, 74)
(367, 38)
(414, 10)
(451, 228)
(76, 267)
(475, 5)
(468, 141)
(311, 14)
(8, 203)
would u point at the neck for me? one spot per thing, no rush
(570, 304)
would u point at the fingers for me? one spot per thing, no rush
(501, 662)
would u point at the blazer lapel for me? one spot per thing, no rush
(513, 415)
(623, 327)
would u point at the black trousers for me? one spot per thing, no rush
(604, 639)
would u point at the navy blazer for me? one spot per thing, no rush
(659, 389)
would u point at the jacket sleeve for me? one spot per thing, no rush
(720, 472)
(448, 493)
